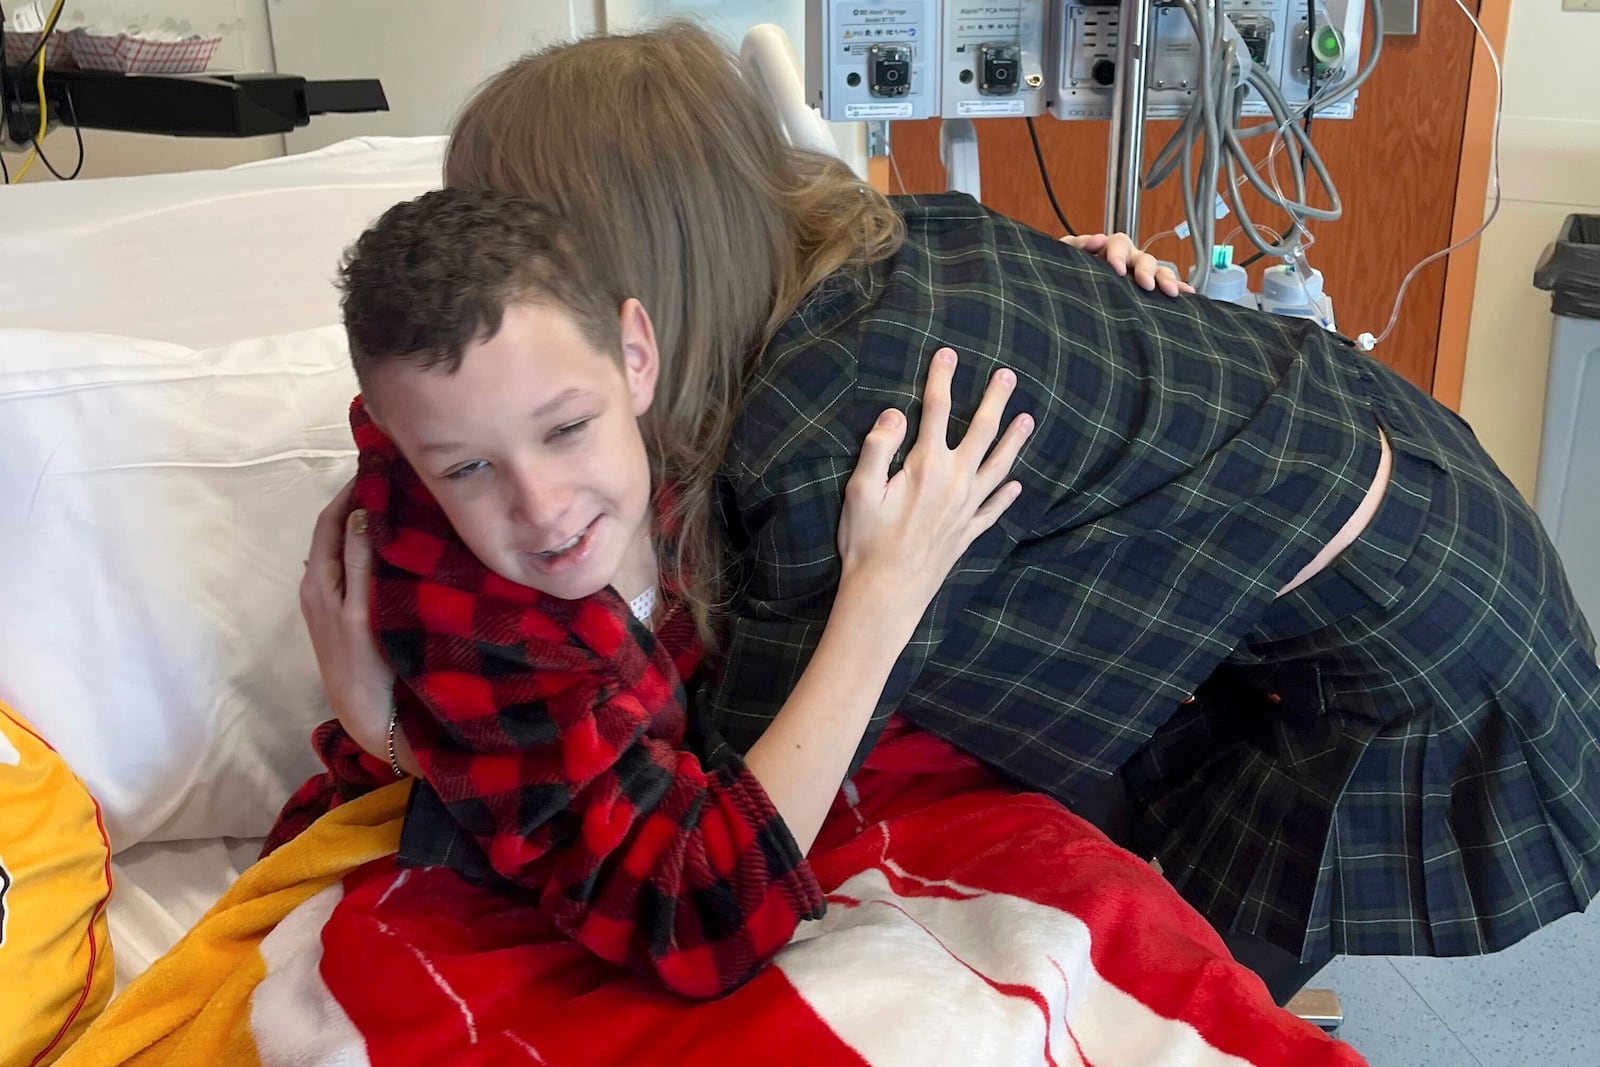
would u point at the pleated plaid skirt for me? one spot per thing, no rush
(1403, 757)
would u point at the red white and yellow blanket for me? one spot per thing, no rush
(968, 924)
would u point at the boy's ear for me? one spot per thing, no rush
(372, 410)
(641, 360)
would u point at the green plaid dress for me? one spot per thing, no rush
(1401, 756)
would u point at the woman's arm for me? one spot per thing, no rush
(898, 539)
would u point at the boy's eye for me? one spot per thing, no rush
(570, 428)
(465, 469)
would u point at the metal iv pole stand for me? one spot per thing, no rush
(1125, 145)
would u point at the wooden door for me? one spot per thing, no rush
(1395, 165)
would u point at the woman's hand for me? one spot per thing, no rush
(1118, 251)
(900, 536)
(333, 599)
(898, 539)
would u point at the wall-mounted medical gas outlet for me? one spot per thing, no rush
(871, 61)
(992, 59)
(1275, 33)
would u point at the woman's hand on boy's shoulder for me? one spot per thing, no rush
(1119, 251)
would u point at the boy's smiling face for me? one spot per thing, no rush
(532, 448)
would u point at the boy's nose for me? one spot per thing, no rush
(541, 505)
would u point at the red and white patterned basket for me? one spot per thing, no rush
(129, 54)
(57, 54)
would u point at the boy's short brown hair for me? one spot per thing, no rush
(435, 275)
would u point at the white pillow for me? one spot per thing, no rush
(204, 258)
(155, 505)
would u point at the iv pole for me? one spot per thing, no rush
(1125, 143)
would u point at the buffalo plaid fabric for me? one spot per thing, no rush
(557, 757)
(351, 772)
(1434, 793)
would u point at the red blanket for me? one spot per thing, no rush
(967, 925)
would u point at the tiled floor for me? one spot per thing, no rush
(1534, 1005)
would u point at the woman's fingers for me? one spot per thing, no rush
(902, 536)
(989, 483)
(991, 510)
(1119, 251)
(1086, 242)
(1125, 258)
(1144, 268)
(985, 424)
(1150, 275)
(996, 466)
(877, 453)
(935, 425)
(1168, 282)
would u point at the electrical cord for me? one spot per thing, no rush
(1044, 176)
(77, 134)
(1366, 342)
(27, 161)
(38, 147)
(1311, 60)
(39, 54)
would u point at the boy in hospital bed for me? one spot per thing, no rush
(525, 566)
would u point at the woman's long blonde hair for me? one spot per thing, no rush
(677, 176)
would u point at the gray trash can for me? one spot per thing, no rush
(1568, 495)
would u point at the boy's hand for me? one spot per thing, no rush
(334, 595)
(1118, 251)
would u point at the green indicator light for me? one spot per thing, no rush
(1327, 44)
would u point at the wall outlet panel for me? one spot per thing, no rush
(1085, 37)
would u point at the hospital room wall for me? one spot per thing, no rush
(1549, 168)
(428, 53)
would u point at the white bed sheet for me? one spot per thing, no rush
(202, 258)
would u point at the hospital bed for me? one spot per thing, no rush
(148, 270)
(173, 385)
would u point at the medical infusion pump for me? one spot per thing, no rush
(917, 59)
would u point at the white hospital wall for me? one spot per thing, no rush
(1549, 168)
(430, 54)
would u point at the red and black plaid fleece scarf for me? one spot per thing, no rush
(554, 734)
